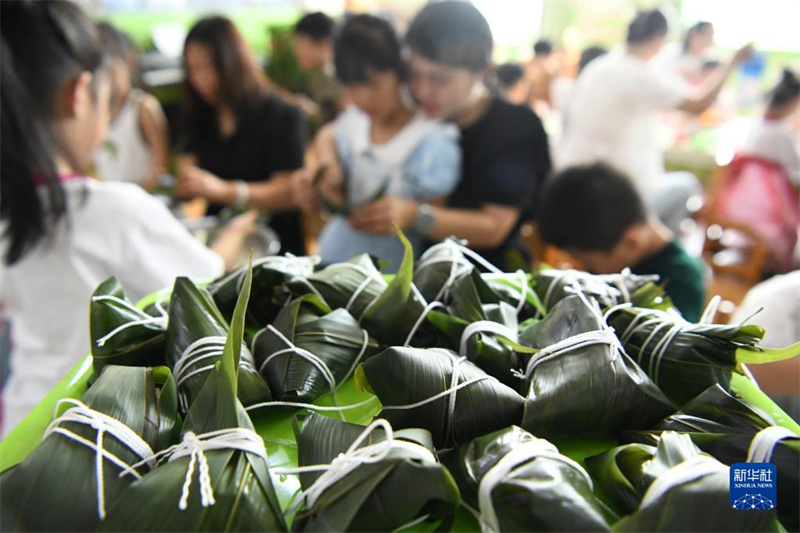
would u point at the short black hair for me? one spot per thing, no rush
(588, 208)
(646, 26)
(787, 89)
(453, 33)
(508, 75)
(543, 47)
(318, 26)
(590, 54)
(367, 42)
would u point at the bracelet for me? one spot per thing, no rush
(242, 193)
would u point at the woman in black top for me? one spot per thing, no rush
(242, 142)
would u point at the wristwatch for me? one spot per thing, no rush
(426, 216)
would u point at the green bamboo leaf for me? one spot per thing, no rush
(374, 495)
(521, 483)
(316, 345)
(683, 359)
(402, 377)
(756, 355)
(589, 389)
(56, 487)
(193, 316)
(122, 334)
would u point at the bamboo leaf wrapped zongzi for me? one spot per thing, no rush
(521, 483)
(73, 477)
(123, 334)
(196, 335)
(310, 350)
(439, 391)
(357, 478)
(582, 383)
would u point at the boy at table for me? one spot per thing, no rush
(595, 213)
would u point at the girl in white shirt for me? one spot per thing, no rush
(62, 233)
(771, 138)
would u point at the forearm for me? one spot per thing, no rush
(480, 228)
(710, 90)
(272, 195)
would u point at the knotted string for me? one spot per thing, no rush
(355, 456)
(195, 446)
(692, 469)
(102, 423)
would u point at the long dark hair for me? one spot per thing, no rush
(241, 79)
(787, 89)
(44, 45)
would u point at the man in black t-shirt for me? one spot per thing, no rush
(504, 147)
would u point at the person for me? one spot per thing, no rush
(242, 143)
(759, 188)
(774, 305)
(613, 114)
(136, 148)
(62, 232)
(692, 56)
(504, 149)
(313, 49)
(595, 213)
(381, 144)
(541, 72)
(511, 83)
(771, 138)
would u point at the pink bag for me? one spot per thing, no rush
(757, 192)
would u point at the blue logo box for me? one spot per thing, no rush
(754, 486)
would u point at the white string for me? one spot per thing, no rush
(310, 286)
(519, 456)
(451, 392)
(459, 265)
(763, 444)
(692, 469)
(203, 349)
(354, 457)
(82, 414)
(195, 446)
(605, 335)
(661, 350)
(711, 310)
(485, 326)
(312, 407)
(154, 322)
(425, 312)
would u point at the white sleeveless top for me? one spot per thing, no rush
(125, 156)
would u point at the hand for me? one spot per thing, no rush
(244, 223)
(193, 181)
(378, 217)
(743, 54)
(303, 193)
(331, 185)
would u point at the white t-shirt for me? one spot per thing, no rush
(612, 117)
(116, 229)
(773, 140)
